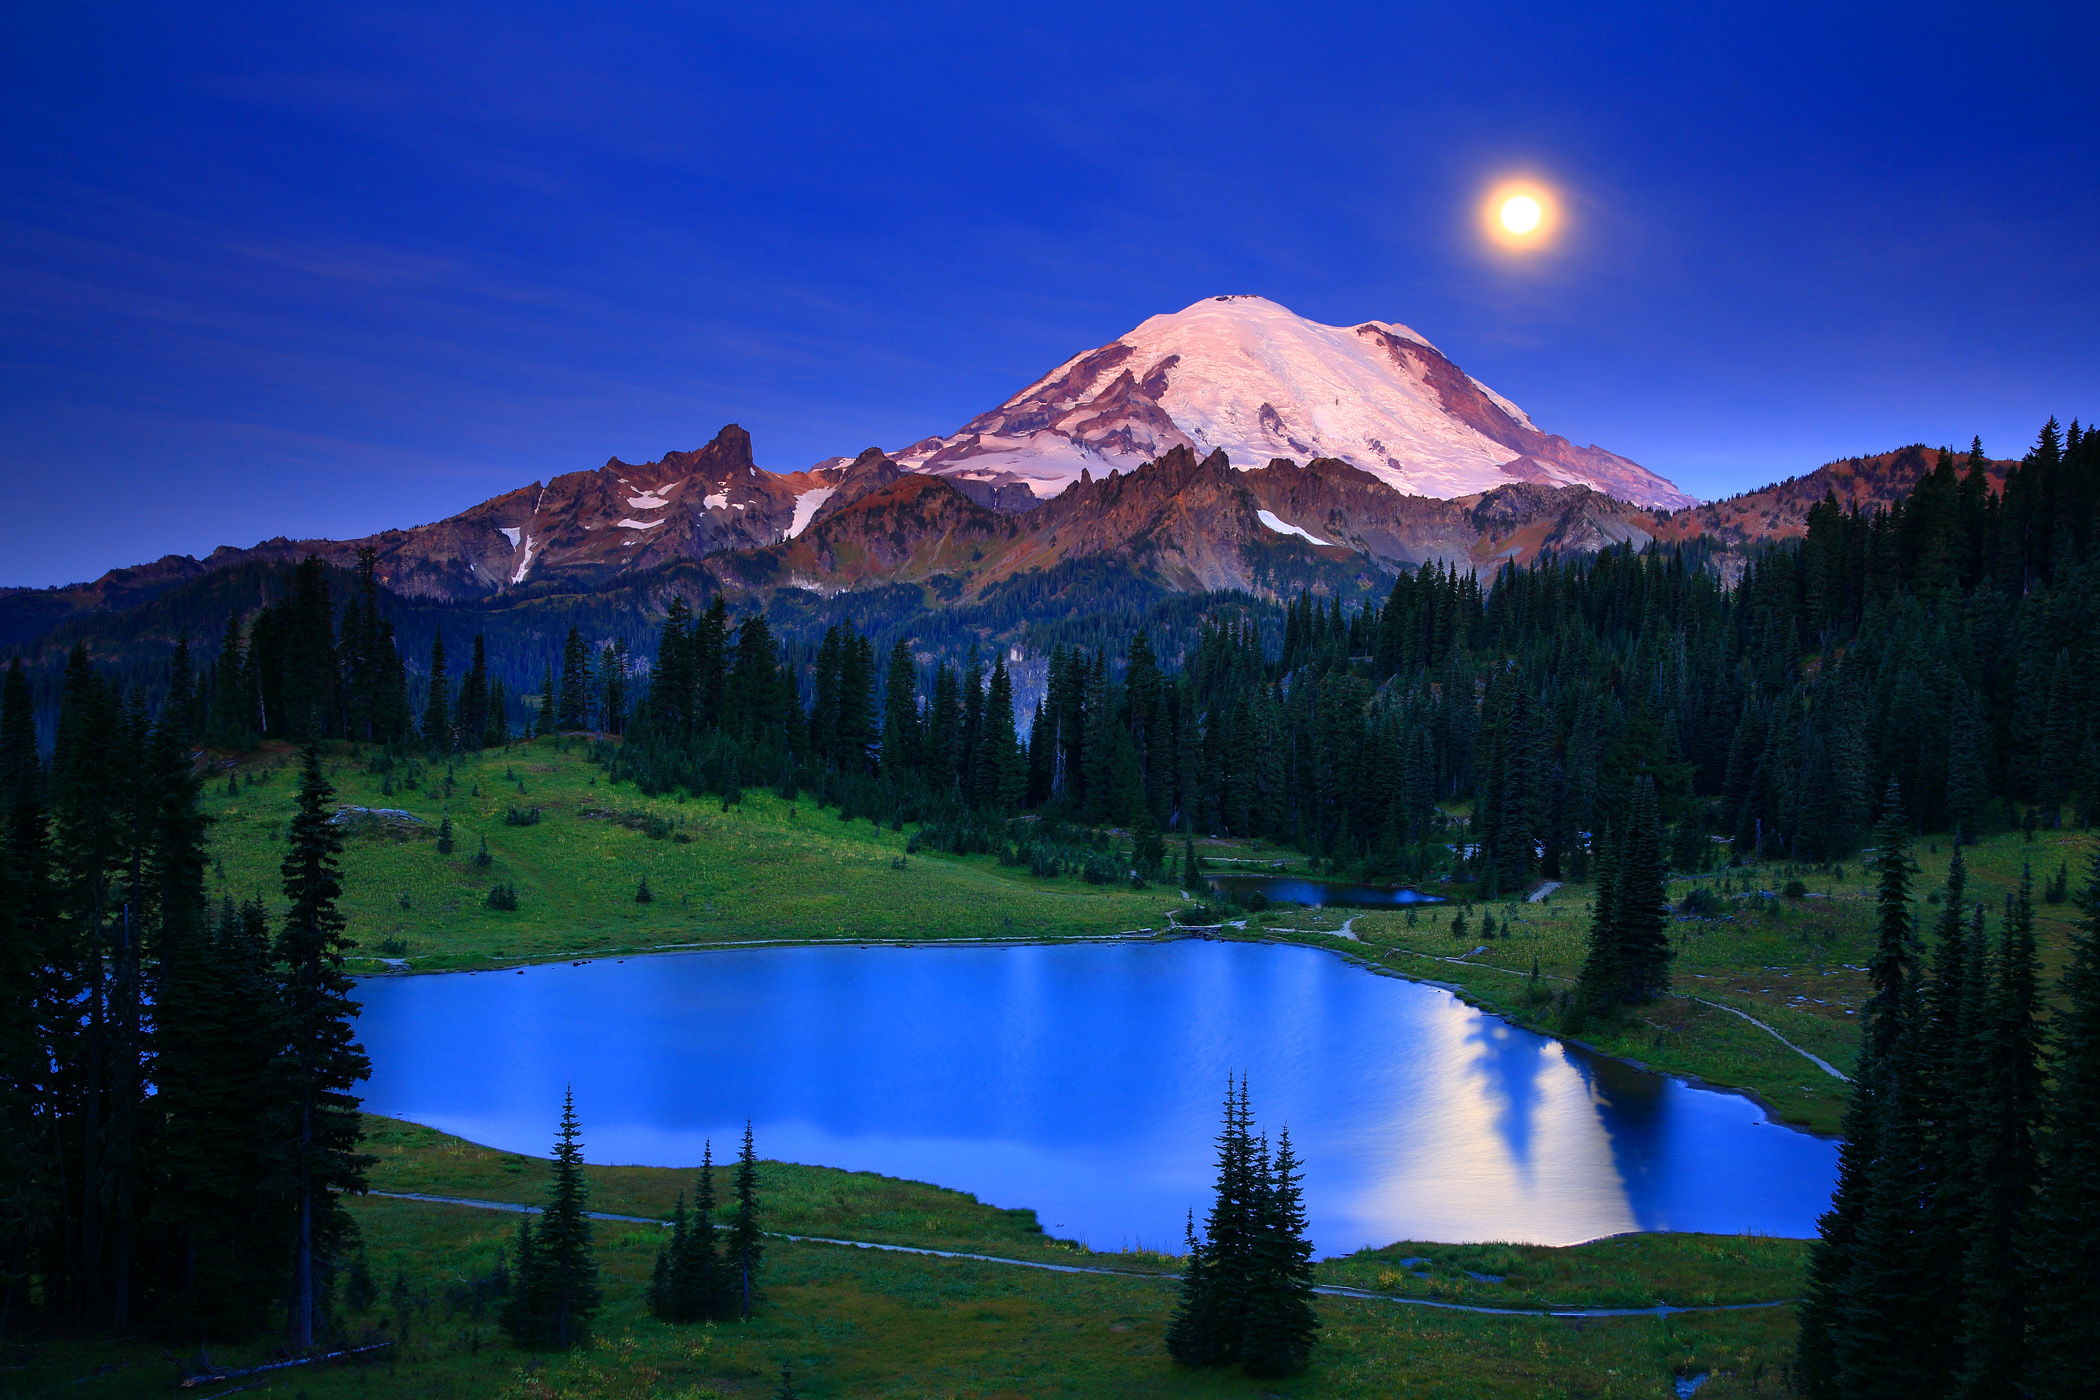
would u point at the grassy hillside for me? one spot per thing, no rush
(860, 1323)
(763, 869)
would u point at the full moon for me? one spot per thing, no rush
(1520, 216)
(1520, 213)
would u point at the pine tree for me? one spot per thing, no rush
(2066, 1235)
(688, 1285)
(437, 711)
(21, 771)
(661, 1306)
(612, 688)
(232, 720)
(547, 722)
(1640, 904)
(472, 717)
(2007, 1110)
(705, 1281)
(322, 1061)
(557, 1293)
(1281, 1325)
(1212, 1307)
(217, 1089)
(520, 1318)
(573, 709)
(900, 713)
(1192, 1331)
(746, 1243)
(1947, 1076)
(1598, 984)
(1860, 1306)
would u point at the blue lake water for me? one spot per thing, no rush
(1083, 1081)
(1319, 894)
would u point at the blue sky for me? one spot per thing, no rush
(319, 270)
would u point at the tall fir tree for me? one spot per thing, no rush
(1192, 1330)
(574, 708)
(900, 712)
(219, 1092)
(1860, 1301)
(21, 769)
(1947, 1077)
(1640, 906)
(1281, 1326)
(689, 1284)
(2002, 1126)
(548, 722)
(321, 1062)
(1597, 985)
(2066, 1236)
(437, 710)
(557, 1294)
(747, 1240)
(471, 718)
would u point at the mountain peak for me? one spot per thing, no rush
(1247, 376)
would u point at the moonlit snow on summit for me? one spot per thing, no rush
(1242, 374)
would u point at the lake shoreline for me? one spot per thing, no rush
(1214, 933)
(1175, 934)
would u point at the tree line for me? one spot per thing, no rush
(1947, 643)
(1958, 1256)
(180, 1120)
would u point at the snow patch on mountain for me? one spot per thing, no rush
(1270, 519)
(806, 506)
(638, 524)
(509, 532)
(524, 564)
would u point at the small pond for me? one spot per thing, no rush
(1318, 894)
(1083, 1080)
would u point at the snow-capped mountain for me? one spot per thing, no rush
(1246, 376)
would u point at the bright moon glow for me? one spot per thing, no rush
(1519, 215)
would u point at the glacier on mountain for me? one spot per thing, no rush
(1247, 376)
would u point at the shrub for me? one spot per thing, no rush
(1795, 889)
(525, 816)
(503, 897)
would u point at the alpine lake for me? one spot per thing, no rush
(1085, 1081)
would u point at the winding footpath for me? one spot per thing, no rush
(1330, 1290)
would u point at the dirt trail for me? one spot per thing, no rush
(1331, 1290)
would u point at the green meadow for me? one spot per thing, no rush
(761, 870)
(852, 1322)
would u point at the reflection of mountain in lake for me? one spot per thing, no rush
(1082, 1081)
